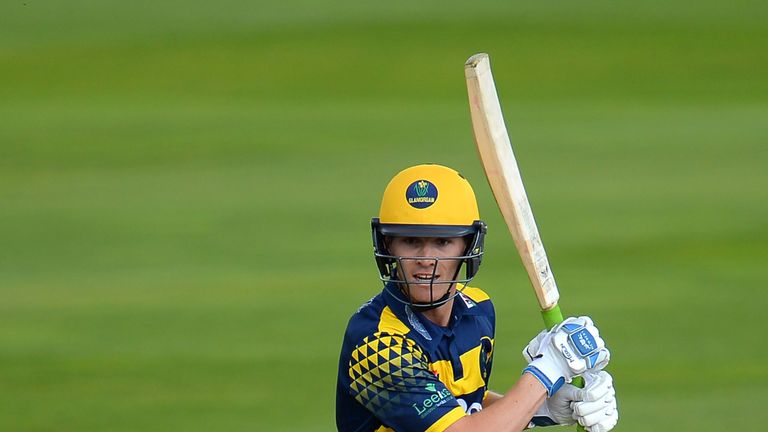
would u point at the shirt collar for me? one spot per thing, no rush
(423, 330)
(463, 305)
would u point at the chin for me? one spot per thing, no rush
(420, 292)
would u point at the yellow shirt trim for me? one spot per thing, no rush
(475, 294)
(472, 379)
(389, 323)
(447, 420)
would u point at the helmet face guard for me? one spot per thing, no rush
(388, 264)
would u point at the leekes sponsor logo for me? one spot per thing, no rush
(421, 194)
(435, 399)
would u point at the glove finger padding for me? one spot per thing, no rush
(598, 417)
(603, 420)
(597, 386)
(585, 409)
(605, 425)
(597, 412)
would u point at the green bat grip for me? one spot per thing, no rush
(551, 318)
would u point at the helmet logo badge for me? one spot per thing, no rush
(421, 194)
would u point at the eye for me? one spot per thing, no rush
(410, 242)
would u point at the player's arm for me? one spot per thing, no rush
(490, 398)
(391, 377)
(570, 349)
(511, 412)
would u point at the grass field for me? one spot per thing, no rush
(186, 190)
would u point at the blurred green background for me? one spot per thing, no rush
(186, 190)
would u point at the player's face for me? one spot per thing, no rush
(424, 273)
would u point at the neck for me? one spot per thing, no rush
(440, 315)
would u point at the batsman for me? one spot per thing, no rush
(418, 355)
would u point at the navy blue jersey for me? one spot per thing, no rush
(399, 371)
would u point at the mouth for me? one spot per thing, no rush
(425, 278)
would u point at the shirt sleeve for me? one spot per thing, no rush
(390, 376)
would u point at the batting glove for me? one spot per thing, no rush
(557, 409)
(593, 407)
(571, 348)
(597, 411)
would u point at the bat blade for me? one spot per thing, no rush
(503, 174)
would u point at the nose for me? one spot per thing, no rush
(426, 262)
(427, 251)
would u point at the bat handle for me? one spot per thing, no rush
(552, 317)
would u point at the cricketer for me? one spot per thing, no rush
(418, 355)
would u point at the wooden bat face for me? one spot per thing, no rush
(503, 175)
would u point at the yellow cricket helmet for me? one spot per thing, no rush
(428, 201)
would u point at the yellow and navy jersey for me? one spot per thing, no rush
(400, 372)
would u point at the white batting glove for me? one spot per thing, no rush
(593, 407)
(530, 351)
(597, 410)
(557, 409)
(569, 349)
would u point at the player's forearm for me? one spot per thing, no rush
(511, 412)
(490, 398)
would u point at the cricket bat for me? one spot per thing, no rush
(503, 174)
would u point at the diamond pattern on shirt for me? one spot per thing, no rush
(383, 366)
